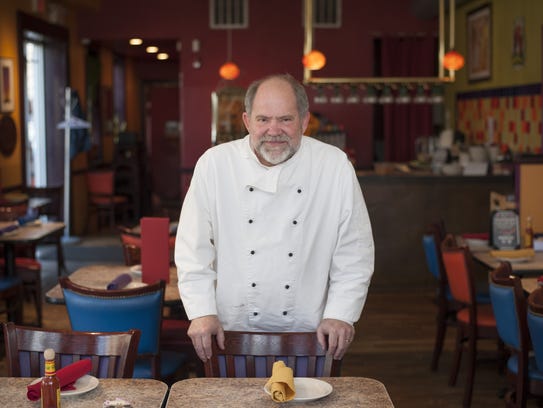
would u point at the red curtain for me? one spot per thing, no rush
(407, 56)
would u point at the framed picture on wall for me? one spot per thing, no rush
(227, 106)
(7, 92)
(479, 58)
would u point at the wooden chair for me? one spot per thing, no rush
(509, 306)
(131, 242)
(118, 310)
(54, 212)
(102, 198)
(474, 321)
(112, 354)
(252, 354)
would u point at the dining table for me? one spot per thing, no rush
(529, 266)
(146, 393)
(98, 276)
(249, 392)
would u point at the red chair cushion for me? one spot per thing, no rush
(485, 316)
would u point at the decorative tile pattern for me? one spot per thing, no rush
(505, 116)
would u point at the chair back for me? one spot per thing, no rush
(458, 267)
(101, 183)
(252, 354)
(509, 306)
(431, 243)
(535, 324)
(119, 310)
(112, 354)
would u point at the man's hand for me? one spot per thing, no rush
(200, 332)
(340, 335)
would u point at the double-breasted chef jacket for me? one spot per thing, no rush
(274, 248)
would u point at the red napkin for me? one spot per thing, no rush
(67, 376)
(476, 235)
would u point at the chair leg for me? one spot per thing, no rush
(457, 355)
(470, 378)
(441, 326)
(60, 258)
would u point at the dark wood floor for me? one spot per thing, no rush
(393, 344)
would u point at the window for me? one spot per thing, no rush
(326, 13)
(228, 13)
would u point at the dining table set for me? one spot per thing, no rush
(201, 392)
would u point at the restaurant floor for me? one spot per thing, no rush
(393, 342)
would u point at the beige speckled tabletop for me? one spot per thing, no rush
(140, 393)
(248, 392)
(98, 276)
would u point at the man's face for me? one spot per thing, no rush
(275, 126)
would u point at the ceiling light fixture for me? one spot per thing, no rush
(162, 56)
(135, 41)
(452, 60)
(151, 49)
(229, 70)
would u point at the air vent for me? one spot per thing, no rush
(327, 13)
(228, 13)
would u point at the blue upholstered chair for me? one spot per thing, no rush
(252, 354)
(509, 306)
(120, 310)
(11, 294)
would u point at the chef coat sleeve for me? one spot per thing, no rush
(353, 258)
(194, 249)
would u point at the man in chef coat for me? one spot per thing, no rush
(274, 234)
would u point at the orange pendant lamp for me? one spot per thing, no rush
(453, 60)
(314, 60)
(229, 70)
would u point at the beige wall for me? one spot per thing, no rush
(504, 13)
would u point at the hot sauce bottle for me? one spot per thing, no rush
(50, 386)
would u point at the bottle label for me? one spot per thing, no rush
(49, 367)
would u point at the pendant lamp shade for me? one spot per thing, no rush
(229, 70)
(453, 60)
(314, 60)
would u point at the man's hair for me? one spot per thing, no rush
(299, 91)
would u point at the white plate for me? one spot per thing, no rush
(135, 269)
(515, 260)
(308, 389)
(82, 385)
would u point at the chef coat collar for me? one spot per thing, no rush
(266, 178)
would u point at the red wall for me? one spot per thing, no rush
(273, 43)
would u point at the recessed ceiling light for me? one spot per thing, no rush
(135, 41)
(151, 49)
(162, 56)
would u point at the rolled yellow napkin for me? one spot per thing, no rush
(513, 253)
(281, 383)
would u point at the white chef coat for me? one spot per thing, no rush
(274, 248)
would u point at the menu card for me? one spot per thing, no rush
(155, 251)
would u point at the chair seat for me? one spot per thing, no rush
(485, 316)
(170, 362)
(9, 282)
(26, 263)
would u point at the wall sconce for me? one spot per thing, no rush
(371, 95)
(196, 61)
(337, 97)
(353, 97)
(386, 95)
(403, 96)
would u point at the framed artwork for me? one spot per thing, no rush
(479, 58)
(7, 91)
(227, 107)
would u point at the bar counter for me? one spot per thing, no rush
(402, 205)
